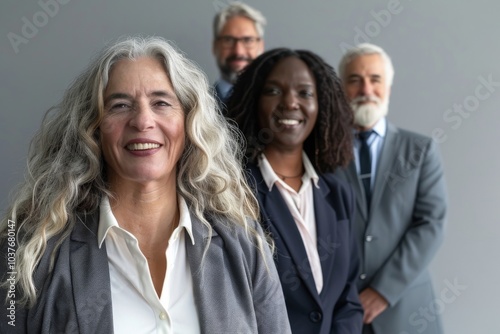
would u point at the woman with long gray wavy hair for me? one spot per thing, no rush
(135, 215)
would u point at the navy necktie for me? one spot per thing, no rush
(365, 164)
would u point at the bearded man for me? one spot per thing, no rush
(238, 39)
(401, 203)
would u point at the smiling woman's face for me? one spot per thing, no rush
(288, 104)
(142, 133)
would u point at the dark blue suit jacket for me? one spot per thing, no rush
(221, 98)
(337, 308)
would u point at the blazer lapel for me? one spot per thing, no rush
(283, 222)
(351, 176)
(203, 295)
(212, 283)
(90, 277)
(326, 230)
(386, 164)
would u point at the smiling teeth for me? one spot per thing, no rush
(288, 121)
(142, 146)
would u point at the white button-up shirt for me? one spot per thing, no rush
(301, 206)
(136, 305)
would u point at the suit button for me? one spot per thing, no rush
(315, 316)
(362, 276)
(369, 238)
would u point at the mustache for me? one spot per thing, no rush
(235, 57)
(369, 98)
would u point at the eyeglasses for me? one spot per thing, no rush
(248, 42)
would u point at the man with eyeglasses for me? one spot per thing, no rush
(238, 39)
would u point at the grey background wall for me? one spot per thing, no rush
(447, 85)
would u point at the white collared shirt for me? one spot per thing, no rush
(136, 306)
(375, 143)
(301, 206)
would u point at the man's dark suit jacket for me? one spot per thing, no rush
(337, 308)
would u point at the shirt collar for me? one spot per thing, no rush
(224, 86)
(270, 177)
(380, 127)
(107, 220)
(184, 219)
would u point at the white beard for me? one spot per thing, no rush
(367, 114)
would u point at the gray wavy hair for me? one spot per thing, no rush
(65, 173)
(237, 8)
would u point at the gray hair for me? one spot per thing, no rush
(239, 9)
(367, 49)
(66, 174)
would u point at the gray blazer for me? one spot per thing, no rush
(234, 291)
(402, 232)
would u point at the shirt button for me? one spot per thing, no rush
(362, 276)
(369, 238)
(163, 316)
(315, 316)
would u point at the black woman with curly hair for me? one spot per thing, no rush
(291, 108)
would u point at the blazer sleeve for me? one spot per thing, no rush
(424, 235)
(347, 315)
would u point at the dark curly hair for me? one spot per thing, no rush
(330, 143)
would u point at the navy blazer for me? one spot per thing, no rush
(337, 308)
(221, 98)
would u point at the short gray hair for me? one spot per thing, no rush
(367, 49)
(239, 9)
